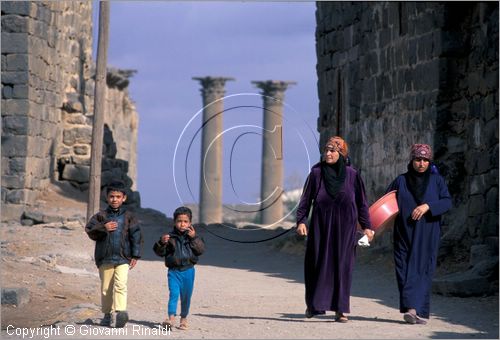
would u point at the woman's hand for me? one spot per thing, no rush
(369, 233)
(302, 229)
(420, 211)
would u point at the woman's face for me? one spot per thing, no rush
(331, 155)
(420, 164)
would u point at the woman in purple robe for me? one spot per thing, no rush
(336, 193)
(422, 197)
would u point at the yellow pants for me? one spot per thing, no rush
(113, 287)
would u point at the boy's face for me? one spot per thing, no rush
(182, 223)
(116, 198)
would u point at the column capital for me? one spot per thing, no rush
(213, 85)
(273, 88)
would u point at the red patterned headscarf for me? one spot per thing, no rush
(421, 151)
(338, 144)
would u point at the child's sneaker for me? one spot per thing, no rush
(168, 323)
(121, 319)
(106, 320)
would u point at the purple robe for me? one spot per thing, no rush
(331, 241)
(416, 243)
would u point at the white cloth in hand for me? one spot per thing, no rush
(363, 241)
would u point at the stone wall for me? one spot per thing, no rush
(391, 74)
(47, 101)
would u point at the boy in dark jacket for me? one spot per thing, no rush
(118, 247)
(181, 249)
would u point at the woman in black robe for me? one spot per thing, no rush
(422, 197)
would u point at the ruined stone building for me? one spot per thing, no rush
(391, 74)
(47, 104)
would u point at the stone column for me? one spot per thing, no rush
(210, 205)
(271, 188)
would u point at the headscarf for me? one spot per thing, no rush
(334, 174)
(338, 144)
(421, 151)
(417, 181)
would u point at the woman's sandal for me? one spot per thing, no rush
(341, 318)
(183, 325)
(413, 319)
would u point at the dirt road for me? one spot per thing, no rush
(241, 291)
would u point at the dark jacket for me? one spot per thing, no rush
(181, 252)
(117, 247)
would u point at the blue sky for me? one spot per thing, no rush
(168, 43)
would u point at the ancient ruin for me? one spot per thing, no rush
(47, 104)
(271, 185)
(210, 204)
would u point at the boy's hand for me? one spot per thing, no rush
(165, 238)
(111, 226)
(133, 262)
(191, 232)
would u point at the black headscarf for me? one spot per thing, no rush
(333, 175)
(417, 182)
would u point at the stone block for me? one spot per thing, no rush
(82, 135)
(384, 37)
(455, 144)
(63, 150)
(461, 284)
(15, 23)
(490, 132)
(77, 119)
(44, 14)
(77, 173)
(17, 62)
(16, 165)
(26, 222)
(14, 146)
(41, 29)
(13, 182)
(26, 8)
(38, 147)
(39, 217)
(20, 196)
(33, 215)
(21, 91)
(6, 92)
(489, 108)
(39, 167)
(492, 200)
(72, 106)
(10, 212)
(476, 205)
(15, 296)
(489, 225)
(80, 160)
(14, 42)
(477, 185)
(15, 77)
(480, 252)
(81, 149)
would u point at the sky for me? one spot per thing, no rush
(169, 43)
